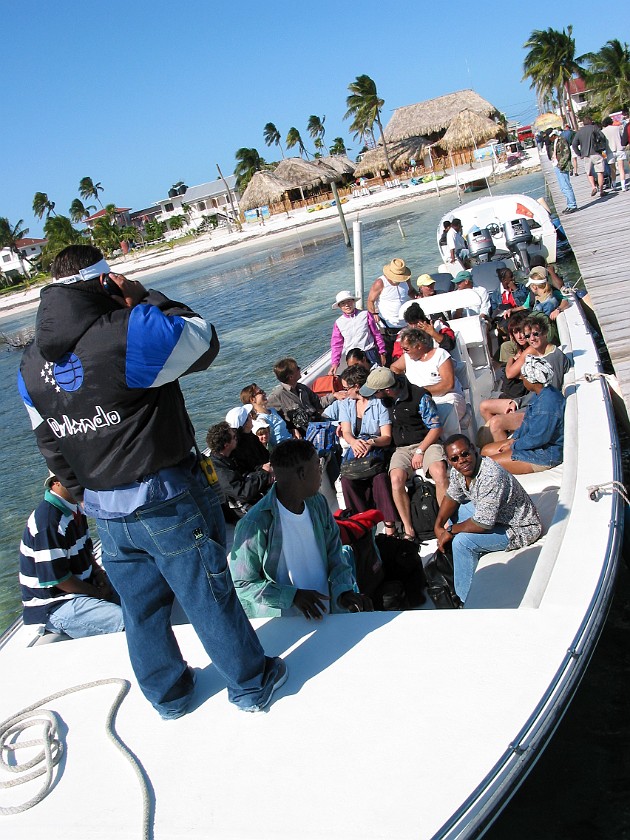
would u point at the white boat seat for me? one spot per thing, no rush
(502, 577)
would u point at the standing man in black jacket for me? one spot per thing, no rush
(100, 384)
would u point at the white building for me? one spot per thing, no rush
(197, 203)
(30, 249)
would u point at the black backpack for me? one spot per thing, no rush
(424, 508)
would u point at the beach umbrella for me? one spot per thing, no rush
(264, 188)
(467, 130)
(548, 120)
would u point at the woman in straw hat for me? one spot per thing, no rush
(387, 295)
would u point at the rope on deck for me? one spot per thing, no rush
(52, 748)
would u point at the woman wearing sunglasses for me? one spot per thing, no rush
(537, 444)
(504, 415)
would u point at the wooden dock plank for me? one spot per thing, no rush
(599, 234)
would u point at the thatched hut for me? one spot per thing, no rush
(469, 129)
(339, 163)
(401, 153)
(304, 174)
(264, 188)
(431, 118)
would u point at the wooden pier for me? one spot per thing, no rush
(599, 234)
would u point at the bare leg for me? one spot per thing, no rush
(437, 471)
(401, 499)
(504, 459)
(501, 424)
(489, 408)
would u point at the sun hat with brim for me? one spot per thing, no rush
(425, 280)
(341, 296)
(396, 271)
(461, 276)
(377, 380)
(536, 276)
(237, 417)
(537, 370)
(258, 424)
(50, 480)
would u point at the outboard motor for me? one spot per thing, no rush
(480, 244)
(517, 237)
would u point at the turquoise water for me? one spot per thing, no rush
(272, 300)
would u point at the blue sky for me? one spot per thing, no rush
(139, 95)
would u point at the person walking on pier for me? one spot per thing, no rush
(589, 143)
(561, 160)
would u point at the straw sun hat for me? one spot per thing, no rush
(396, 271)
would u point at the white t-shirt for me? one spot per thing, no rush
(301, 563)
(454, 241)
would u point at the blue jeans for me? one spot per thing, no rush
(468, 548)
(85, 616)
(564, 179)
(174, 549)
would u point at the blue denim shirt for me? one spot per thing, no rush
(375, 416)
(540, 439)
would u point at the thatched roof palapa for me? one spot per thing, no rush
(435, 115)
(303, 173)
(264, 188)
(341, 164)
(467, 130)
(401, 153)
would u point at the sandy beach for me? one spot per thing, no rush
(282, 226)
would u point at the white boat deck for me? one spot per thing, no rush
(389, 724)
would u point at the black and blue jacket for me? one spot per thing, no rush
(100, 384)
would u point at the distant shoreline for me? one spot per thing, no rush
(278, 227)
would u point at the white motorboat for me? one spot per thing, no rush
(418, 724)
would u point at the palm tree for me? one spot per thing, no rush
(88, 189)
(338, 146)
(79, 211)
(316, 129)
(551, 64)
(59, 232)
(42, 204)
(248, 162)
(10, 236)
(177, 222)
(608, 76)
(294, 139)
(272, 137)
(364, 106)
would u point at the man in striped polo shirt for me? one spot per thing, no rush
(63, 587)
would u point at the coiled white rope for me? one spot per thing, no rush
(53, 748)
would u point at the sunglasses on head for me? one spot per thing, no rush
(455, 458)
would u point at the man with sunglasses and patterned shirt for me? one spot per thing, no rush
(485, 509)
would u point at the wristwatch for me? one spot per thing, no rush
(419, 451)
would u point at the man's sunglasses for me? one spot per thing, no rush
(455, 458)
